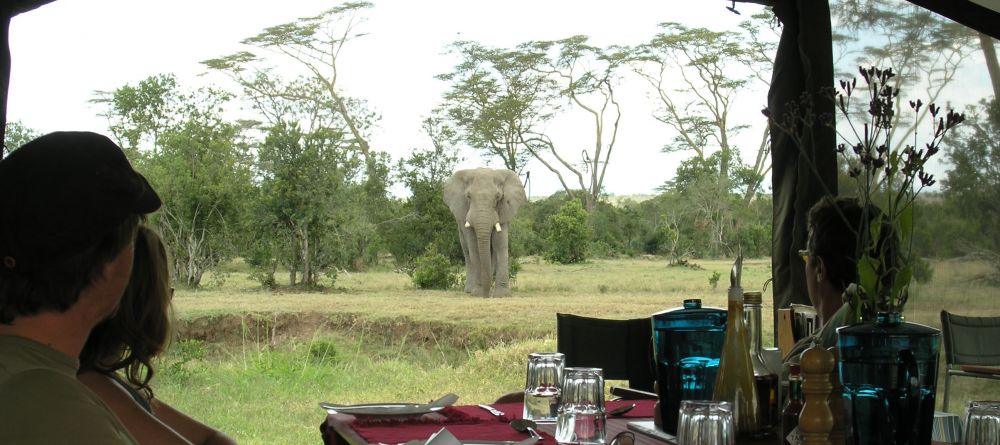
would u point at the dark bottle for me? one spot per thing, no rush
(790, 434)
(765, 380)
(688, 345)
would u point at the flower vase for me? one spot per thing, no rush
(889, 373)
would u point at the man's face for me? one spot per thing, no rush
(115, 278)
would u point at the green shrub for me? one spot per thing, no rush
(433, 271)
(322, 351)
(714, 279)
(568, 233)
(513, 267)
(922, 270)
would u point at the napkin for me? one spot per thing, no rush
(444, 437)
(947, 428)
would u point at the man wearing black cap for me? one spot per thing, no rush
(70, 204)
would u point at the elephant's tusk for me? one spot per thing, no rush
(467, 225)
(498, 227)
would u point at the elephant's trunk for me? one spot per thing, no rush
(484, 234)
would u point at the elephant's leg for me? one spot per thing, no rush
(471, 274)
(501, 287)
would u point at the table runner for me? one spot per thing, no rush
(467, 422)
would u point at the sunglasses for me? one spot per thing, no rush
(623, 438)
(804, 254)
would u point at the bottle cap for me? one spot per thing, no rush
(752, 298)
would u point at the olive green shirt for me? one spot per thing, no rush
(42, 402)
(826, 337)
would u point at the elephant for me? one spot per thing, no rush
(484, 201)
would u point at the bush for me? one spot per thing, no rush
(323, 351)
(433, 271)
(568, 234)
(714, 279)
(922, 270)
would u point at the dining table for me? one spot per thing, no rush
(473, 423)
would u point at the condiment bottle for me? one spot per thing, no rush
(734, 382)
(765, 380)
(790, 434)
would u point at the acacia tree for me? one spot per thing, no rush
(586, 76)
(315, 43)
(695, 75)
(497, 103)
(501, 98)
(922, 48)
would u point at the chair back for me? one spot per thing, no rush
(622, 348)
(970, 340)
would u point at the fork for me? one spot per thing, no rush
(492, 410)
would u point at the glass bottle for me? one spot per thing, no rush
(687, 344)
(790, 434)
(734, 382)
(765, 380)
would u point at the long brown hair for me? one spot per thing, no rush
(140, 329)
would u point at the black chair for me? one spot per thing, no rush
(622, 348)
(971, 348)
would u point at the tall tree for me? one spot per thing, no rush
(496, 102)
(696, 74)
(315, 43)
(586, 76)
(302, 180)
(923, 49)
(198, 163)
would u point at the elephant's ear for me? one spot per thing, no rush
(454, 193)
(513, 196)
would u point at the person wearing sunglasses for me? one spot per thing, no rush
(830, 262)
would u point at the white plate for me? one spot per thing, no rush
(383, 409)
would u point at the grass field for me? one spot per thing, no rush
(254, 363)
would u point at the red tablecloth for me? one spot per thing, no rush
(467, 422)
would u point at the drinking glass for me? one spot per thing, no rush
(704, 422)
(581, 409)
(982, 423)
(543, 386)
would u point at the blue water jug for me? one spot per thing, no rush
(688, 344)
(889, 373)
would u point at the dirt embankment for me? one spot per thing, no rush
(275, 328)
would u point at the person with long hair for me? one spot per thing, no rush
(69, 208)
(116, 361)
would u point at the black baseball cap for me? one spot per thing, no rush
(61, 193)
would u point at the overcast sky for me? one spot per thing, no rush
(64, 51)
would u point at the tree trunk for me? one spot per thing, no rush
(990, 54)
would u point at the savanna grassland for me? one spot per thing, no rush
(254, 363)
